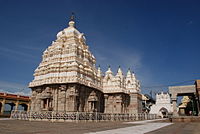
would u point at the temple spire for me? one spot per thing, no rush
(99, 73)
(109, 70)
(129, 73)
(72, 17)
(72, 20)
(119, 71)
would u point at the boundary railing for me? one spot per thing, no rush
(79, 116)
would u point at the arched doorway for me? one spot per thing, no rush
(22, 107)
(163, 112)
(187, 90)
(8, 108)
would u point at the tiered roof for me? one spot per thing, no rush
(120, 83)
(68, 60)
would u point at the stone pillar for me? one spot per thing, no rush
(3, 106)
(47, 103)
(89, 106)
(72, 104)
(33, 100)
(28, 107)
(42, 104)
(63, 98)
(37, 104)
(36, 100)
(55, 100)
(59, 100)
(175, 113)
(134, 106)
(118, 105)
(50, 103)
(106, 103)
(80, 99)
(16, 105)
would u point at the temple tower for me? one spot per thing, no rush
(66, 79)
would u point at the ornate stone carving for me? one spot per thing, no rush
(67, 79)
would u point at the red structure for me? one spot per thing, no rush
(13, 102)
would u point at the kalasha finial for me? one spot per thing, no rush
(72, 17)
(71, 21)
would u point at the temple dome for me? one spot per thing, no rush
(69, 30)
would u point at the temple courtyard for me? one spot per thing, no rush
(8, 126)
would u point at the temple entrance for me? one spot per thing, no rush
(163, 112)
(188, 106)
(47, 104)
(93, 102)
(23, 107)
(8, 108)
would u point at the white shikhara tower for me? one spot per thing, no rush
(121, 92)
(67, 80)
(120, 83)
(67, 60)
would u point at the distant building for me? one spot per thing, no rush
(193, 92)
(9, 102)
(163, 105)
(184, 108)
(67, 80)
(197, 85)
(147, 102)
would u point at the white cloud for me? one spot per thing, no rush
(11, 87)
(14, 52)
(18, 55)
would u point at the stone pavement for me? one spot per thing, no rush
(42, 127)
(141, 127)
(179, 128)
(5, 119)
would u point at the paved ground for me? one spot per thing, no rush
(138, 129)
(27, 127)
(179, 128)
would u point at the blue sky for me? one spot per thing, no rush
(159, 40)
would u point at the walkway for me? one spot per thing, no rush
(147, 126)
(142, 127)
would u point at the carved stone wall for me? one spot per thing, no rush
(135, 105)
(116, 103)
(163, 101)
(67, 98)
